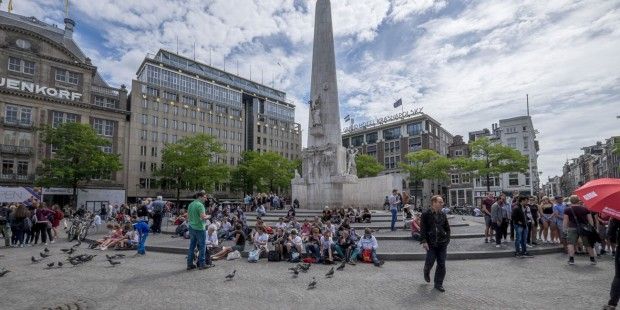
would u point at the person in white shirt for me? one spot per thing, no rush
(294, 241)
(326, 246)
(281, 224)
(211, 239)
(261, 238)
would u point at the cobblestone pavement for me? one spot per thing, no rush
(159, 281)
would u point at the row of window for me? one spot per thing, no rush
(216, 119)
(413, 129)
(24, 66)
(277, 132)
(459, 178)
(512, 142)
(166, 138)
(276, 143)
(12, 166)
(191, 85)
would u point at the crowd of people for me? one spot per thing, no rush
(25, 224)
(529, 221)
(325, 239)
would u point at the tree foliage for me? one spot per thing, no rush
(368, 166)
(264, 172)
(191, 163)
(78, 157)
(489, 159)
(426, 165)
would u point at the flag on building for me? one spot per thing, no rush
(347, 118)
(398, 103)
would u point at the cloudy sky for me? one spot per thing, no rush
(468, 63)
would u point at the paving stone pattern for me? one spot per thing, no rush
(159, 281)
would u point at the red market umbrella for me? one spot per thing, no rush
(602, 195)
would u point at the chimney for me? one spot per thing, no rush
(69, 25)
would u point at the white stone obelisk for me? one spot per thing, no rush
(324, 161)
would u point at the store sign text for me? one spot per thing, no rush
(383, 120)
(37, 89)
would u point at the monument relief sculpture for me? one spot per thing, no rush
(315, 109)
(351, 164)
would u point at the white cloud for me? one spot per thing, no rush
(467, 66)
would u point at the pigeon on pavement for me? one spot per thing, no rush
(232, 275)
(4, 272)
(312, 284)
(341, 267)
(113, 263)
(46, 250)
(330, 273)
(50, 265)
(43, 255)
(34, 260)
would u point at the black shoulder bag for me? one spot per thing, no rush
(585, 230)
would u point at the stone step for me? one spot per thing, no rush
(393, 249)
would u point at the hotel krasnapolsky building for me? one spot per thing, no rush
(45, 79)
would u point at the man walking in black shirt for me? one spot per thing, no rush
(435, 236)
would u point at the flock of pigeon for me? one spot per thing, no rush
(74, 260)
(305, 267)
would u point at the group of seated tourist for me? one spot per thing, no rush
(124, 237)
(324, 239)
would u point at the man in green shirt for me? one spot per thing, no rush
(196, 217)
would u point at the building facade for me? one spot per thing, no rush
(461, 184)
(519, 133)
(390, 139)
(601, 160)
(45, 79)
(175, 97)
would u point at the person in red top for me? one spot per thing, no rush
(58, 216)
(486, 205)
(415, 227)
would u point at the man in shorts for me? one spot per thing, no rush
(485, 206)
(575, 216)
(558, 217)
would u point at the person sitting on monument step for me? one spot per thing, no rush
(366, 249)
(366, 217)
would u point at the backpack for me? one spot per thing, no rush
(27, 224)
(233, 255)
(295, 257)
(273, 256)
(367, 256)
(253, 256)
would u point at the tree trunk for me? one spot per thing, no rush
(74, 196)
(488, 183)
(178, 193)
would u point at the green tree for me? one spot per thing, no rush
(191, 163)
(77, 158)
(241, 178)
(489, 159)
(367, 166)
(426, 165)
(272, 171)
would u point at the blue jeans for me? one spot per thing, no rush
(394, 216)
(196, 238)
(358, 251)
(520, 238)
(142, 243)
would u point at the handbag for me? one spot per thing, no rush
(585, 230)
(253, 256)
(273, 256)
(233, 255)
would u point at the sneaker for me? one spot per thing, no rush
(491, 240)
(592, 261)
(191, 267)
(498, 246)
(427, 276)
(603, 252)
(608, 307)
(486, 240)
(52, 242)
(440, 288)
(352, 263)
(571, 260)
(518, 255)
(527, 254)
